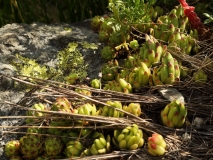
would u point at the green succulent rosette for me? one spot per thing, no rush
(130, 138)
(53, 146)
(174, 114)
(12, 148)
(73, 149)
(156, 145)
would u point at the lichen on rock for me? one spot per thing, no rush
(69, 61)
(30, 68)
(89, 45)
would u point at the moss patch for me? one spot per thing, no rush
(69, 62)
(87, 45)
(29, 67)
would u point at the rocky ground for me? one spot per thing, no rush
(41, 42)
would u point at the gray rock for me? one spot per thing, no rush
(171, 94)
(8, 70)
(41, 42)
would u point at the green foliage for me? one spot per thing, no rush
(128, 11)
(49, 11)
(125, 14)
(207, 11)
(209, 18)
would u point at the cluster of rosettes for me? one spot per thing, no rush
(36, 146)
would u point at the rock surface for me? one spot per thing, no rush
(41, 42)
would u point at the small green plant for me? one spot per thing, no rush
(205, 9)
(209, 18)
